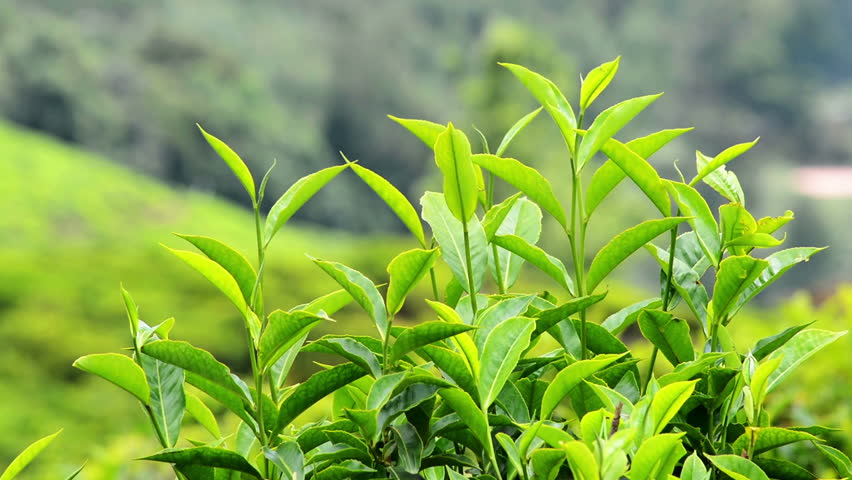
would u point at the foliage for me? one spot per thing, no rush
(505, 384)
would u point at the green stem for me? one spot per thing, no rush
(434, 279)
(489, 202)
(578, 236)
(492, 456)
(667, 296)
(258, 308)
(385, 345)
(469, 262)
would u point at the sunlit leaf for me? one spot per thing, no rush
(800, 348)
(235, 163)
(737, 467)
(596, 82)
(570, 377)
(362, 290)
(28, 455)
(515, 130)
(640, 171)
(500, 353)
(735, 275)
(120, 370)
(168, 402)
(425, 130)
(657, 457)
(693, 205)
(425, 334)
(405, 271)
(202, 414)
(314, 389)
(216, 274)
(452, 154)
(192, 359)
(607, 124)
(206, 456)
(550, 265)
(668, 333)
(707, 166)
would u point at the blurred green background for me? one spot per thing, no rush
(100, 161)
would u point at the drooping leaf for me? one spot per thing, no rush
(500, 353)
(620, 320)
(235, 163)
(425, 130)
(447, 230)
(688, 267)
(768, 438)
(216, 274)
(192, 359)
(515, 130)
(349, 348)
(28, 455)
(657, 457)
(839, 459)
(640, 171)
(737, 467)
(454, 365)
(235, 402)
(314, 389)
(570, 377)
(693, 205)
(526, 179)
(202, 414)
(723, 181)
(735, 275)
(607, 124)
(297, 195)
(283, 330)
(288, 458)
(119, 370)
(596, 82)
(206, 456)
(362, 290)
(801, 347)
(623, 245)
(668, 333)
(550, 265)
(405, 271)
(771, 224)
(394, 199)
(168, 402)
(452, 154)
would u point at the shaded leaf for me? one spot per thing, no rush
(550, 265)
(425, 334)
(314, 389)
(206, 456)
(669, 334)
(167, 398)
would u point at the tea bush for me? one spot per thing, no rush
(501, 384)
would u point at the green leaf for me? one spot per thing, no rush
(314, 389)
(839, 459)
(738, 468)
(362, 290)
(470, 414)
(800, 348)
(283, 330)
(425, 130)
(546, 319)
(735, 275)
(667, 402)
(596, 82)
(693, 205)
(216, 274)
(581, 460)
(546, 462)
(724, 182)
(409, 447)
(279, 370)
(736, 221)
(297, 195)
(235, 402)
(689, 370)
(656, 457)
(235, 163)
(760, 377)
(28, 455)
(550, 265)
(464, 342)
(689, 266)
(550, 98)
(495, 314)
(607, 124)
(234, 262)
(707, 166)
(524, 220)
(694, 469)
(500, 354)
(206, 456)
(515, 130)
(495, 215)
(620, 320)
(425, 334)
(779, 262)
(119, 370)
(783, 469)
(767, 345)
(394, 199)
(769, 438)
(568, 378)
(447, 230)
(288, 458)
(755, 240)
(623, 245)
(329, 303)
(771, 224)
(192, 359)
(132, 311)
(405, 271)
(167, 398)
(640, 171)
(512, 452)
(609, 175)
(668, 333)
(349, 348)
(526, 179)
(452, 154)
(202, 414)
(453, 364)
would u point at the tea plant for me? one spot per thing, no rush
(502, 384)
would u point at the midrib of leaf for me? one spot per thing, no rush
(162, 411)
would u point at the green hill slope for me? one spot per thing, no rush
(72, 227)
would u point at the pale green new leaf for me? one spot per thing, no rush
(694, 469)
(231, 260)
(607, 124)
(668, 333)
(724, 182)
(581, 460)
(464, 342)
(512, 452)
(120, 370)
(771, 224)
(132, 311)
(452, 154)
(500, 354)
(394, 199)
(708, 166)
(667, 402)
(524, 220)
(735, 276)
(362, 290)
(526, 179)
(425, 130)
(550, 265)
(737, 467)
(297, 195)
(656, 457)
(216, 274)
(693, 205)
(202, 414)
(425, 334)
(760, 379)
(235, 163)
(640, 171)
(470, 414)
(515, 130)
(495, 215)
(800, 348)
(596, 82)
(28, 455)
(405, 271)
(329, 303)
(620, 320)
(623, 245)
(283, 330)
(568, 378)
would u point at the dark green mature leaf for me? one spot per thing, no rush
(768, 438)
(297, 195)
(425, 130)
(607, 124)
(783, 469)
(801, 347)
(546, 319)
(405, 271)
(669, 334)
(167, 398)
(570, 377)
(596, 82)
(344, 471)
(288, 458)
(735, 275)
(206, 456)
(282, 332)
(425, 334)
(198, 410)
(550, 98)
(524, 220)
(454, 365)
(839, 459)
(452, 154)
(470, 414)
(235, 402)
(349, 348)
(409, 447)
(609, 175)
(515, 130)
(234, 161)
(693, 205)
(546, 462)
(216, 274)
(231, 260)
(120, 370)
(689, 266)
(394, 199)
(550, 265)
(314, 389)
(737, 467)
(448, 231)
(315, 436)
(495, 215)
(192, 359)
(623, 245)
(689, 370)
(657, 457)
(640, 171)
(767, 345)
(362, 290)
(28, 455)
(620, 320)
(500, 353)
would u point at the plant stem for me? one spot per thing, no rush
(489, 202)
(433, 278)
(469, 262)
(385, 343)
(254, 354)
(578, 235)
(667, 296)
